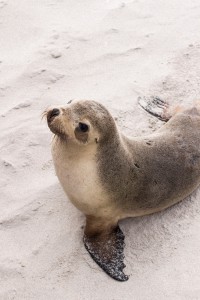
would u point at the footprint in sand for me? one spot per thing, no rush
(22, 105)
(55, 53)
(3, 89)
(47, 165)
(45, 76)
(3, 4)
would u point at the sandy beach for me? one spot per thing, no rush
(113, 51)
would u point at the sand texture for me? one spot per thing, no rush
(113, 51)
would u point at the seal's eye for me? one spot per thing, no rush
(83, 127)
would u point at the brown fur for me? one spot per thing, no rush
(140, 175)
(135, 176)
(152, 173)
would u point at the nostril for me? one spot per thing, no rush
(55, 112)
(52, 114)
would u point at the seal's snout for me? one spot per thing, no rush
(52, 114)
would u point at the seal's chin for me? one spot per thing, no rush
(58, 130)
(56, 126)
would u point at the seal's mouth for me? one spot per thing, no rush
(54, 122)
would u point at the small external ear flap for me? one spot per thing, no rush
(97, 140)
(81, 132)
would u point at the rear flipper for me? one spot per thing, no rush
(106, 248)
(156, 107)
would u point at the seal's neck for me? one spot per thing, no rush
(74, 151)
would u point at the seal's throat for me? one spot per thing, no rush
(78, 174)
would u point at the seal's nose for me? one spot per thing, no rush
(53, 113)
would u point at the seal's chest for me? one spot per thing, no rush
(79, 179)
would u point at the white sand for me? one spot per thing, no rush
(112, 51)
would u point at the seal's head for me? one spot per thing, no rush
(81, 122)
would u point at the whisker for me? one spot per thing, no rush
(44, 114)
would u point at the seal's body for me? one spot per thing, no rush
(145, 175)
(109, 176)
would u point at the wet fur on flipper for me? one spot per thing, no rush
(107, 252)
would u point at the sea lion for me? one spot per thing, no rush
(109, 176)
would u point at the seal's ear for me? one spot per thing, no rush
(81, 132)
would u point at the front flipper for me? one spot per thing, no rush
(156, 107)
(106, 249)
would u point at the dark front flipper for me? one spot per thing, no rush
(107, 251)
(156, 107)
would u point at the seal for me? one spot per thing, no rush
(109, 176)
